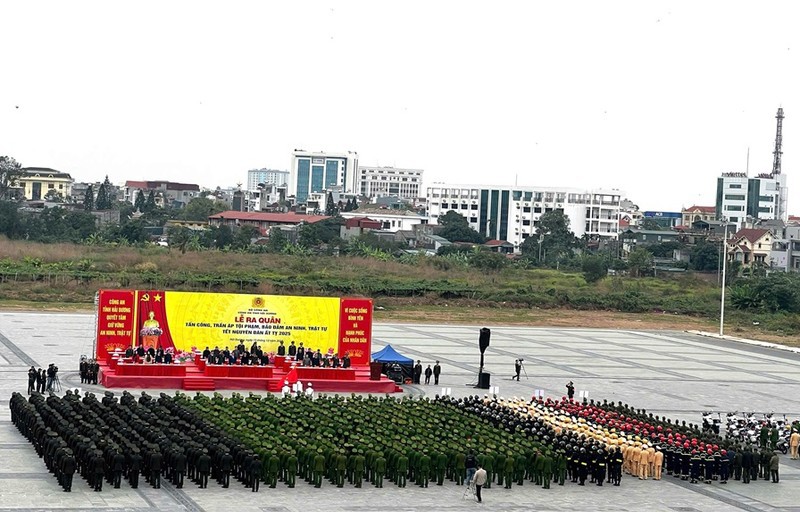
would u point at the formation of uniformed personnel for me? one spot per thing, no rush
(332, 438)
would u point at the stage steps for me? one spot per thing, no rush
(199, 384)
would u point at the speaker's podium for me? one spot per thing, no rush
(483, 380)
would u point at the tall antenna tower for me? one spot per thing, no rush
(776, 163)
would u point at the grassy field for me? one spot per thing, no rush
(66, 277)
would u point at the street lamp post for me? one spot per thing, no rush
(724, 268)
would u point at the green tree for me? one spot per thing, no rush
(705, 257)
(201, 208)
(651, 225)
(455, 228)
(223, 237)
(640, 261)
(88, 199)
(244, 236)
(488, 260)
(555, 235)
(277, 241)
(330, 206)
(594, 268)
(179, 237)
(138, 203)
(10, 172)
(321, 232)
(111, 194)
(11, 224)
(664, 249)
(150, 203)
(101, 202)
(53, 195)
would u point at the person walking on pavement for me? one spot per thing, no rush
(480, 481)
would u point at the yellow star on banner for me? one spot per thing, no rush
(158, 297)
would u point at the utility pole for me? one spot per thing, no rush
(724, 268)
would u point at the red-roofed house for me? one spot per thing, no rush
(695, 213)
(356, 226)
(262, 220)
(793, 219)
(750, 246)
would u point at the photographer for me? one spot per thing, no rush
(517, 369)
(570, 390)
(52, 372)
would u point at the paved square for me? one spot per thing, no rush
(674, 373)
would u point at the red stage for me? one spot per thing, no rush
(198, 376)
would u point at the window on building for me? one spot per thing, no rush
(526, 222)
(526, 209)
(735, 185)
(537, 209)
(734, 197)
(51, 185)
(473, 207)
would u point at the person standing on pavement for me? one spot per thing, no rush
(774, 464)
(428, 373)
(794, 442)
(480, 481)
(417, 372)
(437, 370)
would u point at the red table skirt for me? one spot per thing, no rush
(151, 370)
(224, 370)
(306, 372)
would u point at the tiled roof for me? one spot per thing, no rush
(279, 218)
(752, 235)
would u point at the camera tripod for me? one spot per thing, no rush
(55, 385)
(522, 369)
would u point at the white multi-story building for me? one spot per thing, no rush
(744, 200)
(376, 182)
(267, 177)
(512, 213)
(318, 171)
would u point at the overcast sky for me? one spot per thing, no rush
(652, 98)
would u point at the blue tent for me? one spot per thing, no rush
(390, 355)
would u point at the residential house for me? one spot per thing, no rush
(39, 183)
(750, 246)
(357, 226)
(165, 193)
(695, 213)
(500, 246)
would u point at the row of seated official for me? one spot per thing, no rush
(148, 356)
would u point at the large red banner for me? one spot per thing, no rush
(355, 330)
(116, 311)
(193, 320)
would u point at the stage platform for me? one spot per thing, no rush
(191, 377)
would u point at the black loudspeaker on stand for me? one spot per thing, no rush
(483, 343)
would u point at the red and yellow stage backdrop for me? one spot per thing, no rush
(190, 319)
